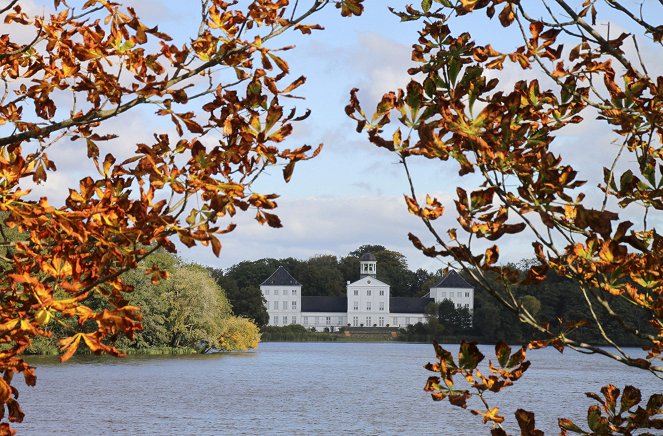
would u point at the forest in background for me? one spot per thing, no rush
(327, 275)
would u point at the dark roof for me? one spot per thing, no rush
(324, 304)
(452, 280)
(408, 304)
(280, 277)
(368, 257)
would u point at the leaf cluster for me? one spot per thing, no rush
(221, 98)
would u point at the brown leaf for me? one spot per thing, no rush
(526, 423)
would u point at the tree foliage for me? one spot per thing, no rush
(238, 334)
(573, 65)
(223, 89)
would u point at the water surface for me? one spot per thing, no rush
(296, 388)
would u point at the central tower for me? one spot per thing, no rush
(367, 266)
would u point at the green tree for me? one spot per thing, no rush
(320, 275)
(151, 298)
(197, 307)
(366, 249)
(247, 301)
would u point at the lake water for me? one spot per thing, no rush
(296, 388)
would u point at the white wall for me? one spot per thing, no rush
(279, 301)
(462, 296)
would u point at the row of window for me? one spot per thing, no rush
(274, 305)
(284, 292)
(368, 292)
(355, 305)
(284, 320)
(381, 321)
(355, 321)
(293, 320)
(327, 319)
(459, 294)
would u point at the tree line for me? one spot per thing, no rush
(554, 300)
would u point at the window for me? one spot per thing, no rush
(285, 305)
(294, 292)
(368, 305)
(285, 320)
(266, 291)
(381, 292)
(467, 294)
(381, 305)
(328, 320)
(407, 320)
(356, 292)
(443, 294)
(276, 320)
(268, 305)
(458, 305)
(306, 320)
(368, 321)
(381, 321)
(368, 292)
(459, 294)
(355, 305)
(467, 305)
(355, 321)
(294, 305)
(294, 320)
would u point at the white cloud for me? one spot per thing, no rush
(317, 225)
(325, 225)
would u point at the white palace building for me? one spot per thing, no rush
(367, 303)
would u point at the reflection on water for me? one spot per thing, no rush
(295, 388)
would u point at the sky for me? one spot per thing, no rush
(352, 193)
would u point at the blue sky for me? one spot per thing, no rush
(351, 194)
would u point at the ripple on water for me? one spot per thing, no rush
(295, 388)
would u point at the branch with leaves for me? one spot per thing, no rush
(221, 101)
(460, 106)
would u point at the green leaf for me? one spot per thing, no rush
(426, 4)
(517, 358)
(453, 69)
(469, 355)
(597, 423)
(630, 397)
(502, 351)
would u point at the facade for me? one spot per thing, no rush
(454, 288)
(367, 303)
